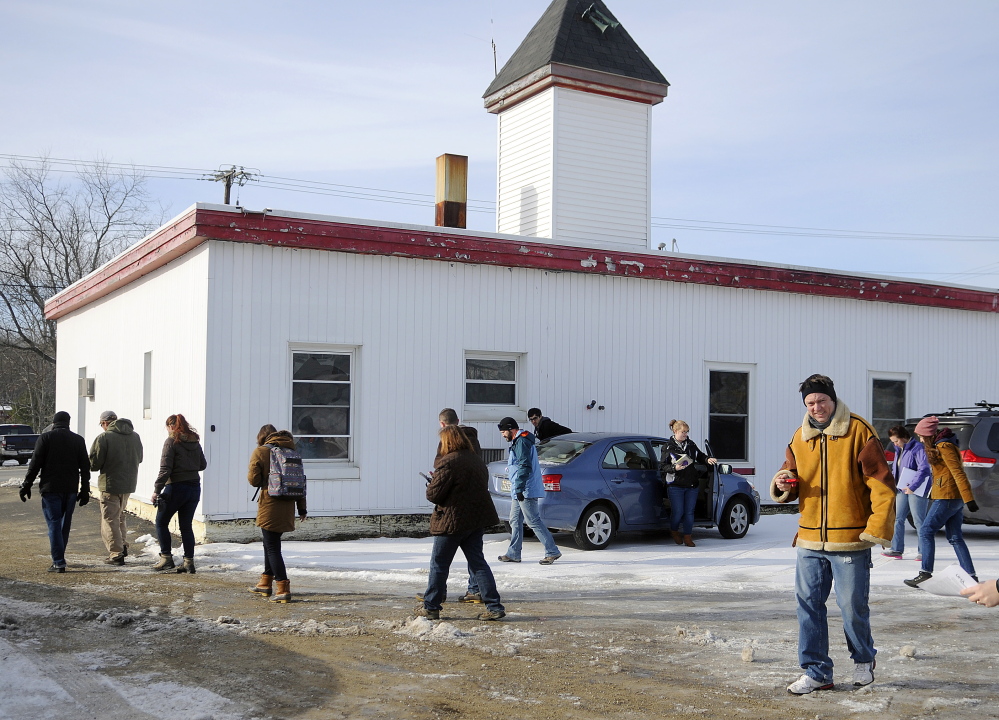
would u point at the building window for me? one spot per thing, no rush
(887, 405)
(728, 415)
(491, 380)
(321, 404)
(147, 385)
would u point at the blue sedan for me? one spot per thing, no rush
(597, 484)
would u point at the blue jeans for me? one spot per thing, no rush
(949, 515)
(58, 511)
(445, 546)
(681, 507)
(815, 573)
(273, 559)
(180, 499)
(522, 511)
(904, 506)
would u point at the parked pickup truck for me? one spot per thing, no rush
(17, 442)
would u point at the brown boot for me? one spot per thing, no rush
(165, 563)
(688, 540)
(264, 586)
(283, 593)
(675, 534)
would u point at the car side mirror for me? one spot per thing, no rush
(724, 469)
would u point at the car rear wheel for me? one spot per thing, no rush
(734, 520)
(23, 461)
(596, 528)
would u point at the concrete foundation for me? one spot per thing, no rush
(346, 527)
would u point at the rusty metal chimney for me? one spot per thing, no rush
(451, 197)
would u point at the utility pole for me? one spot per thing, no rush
(230, 175)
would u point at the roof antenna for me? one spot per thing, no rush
(492, 41)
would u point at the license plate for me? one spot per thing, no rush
(505, 486)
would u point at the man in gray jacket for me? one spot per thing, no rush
(115, 454)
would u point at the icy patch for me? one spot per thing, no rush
(186, 702)
(99, 659)
(939, 703)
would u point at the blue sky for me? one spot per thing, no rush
(878, 116)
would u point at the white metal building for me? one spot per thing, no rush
(353, 334)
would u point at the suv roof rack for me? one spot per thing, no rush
(979, 409)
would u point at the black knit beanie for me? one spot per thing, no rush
(818, 384)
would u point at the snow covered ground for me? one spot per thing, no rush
(764, 559)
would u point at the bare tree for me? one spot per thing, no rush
(54, 231)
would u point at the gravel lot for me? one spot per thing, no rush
(104, 642)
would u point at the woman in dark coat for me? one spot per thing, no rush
(679, 457)
(462, 511)
(275, 515)
(178, 490)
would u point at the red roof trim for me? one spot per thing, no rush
(205, 224)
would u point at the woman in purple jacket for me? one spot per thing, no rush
(914, 480)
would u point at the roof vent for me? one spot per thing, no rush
(599, 19)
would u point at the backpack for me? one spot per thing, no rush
(287, 476)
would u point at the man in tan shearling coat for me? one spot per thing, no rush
(835, 468)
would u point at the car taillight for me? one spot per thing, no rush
(890, 455)
(553, 483)
(972, 460)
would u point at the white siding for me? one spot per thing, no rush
(601, 170)
(575, 167)
(164, 313)
(524, 168)
(640, 348)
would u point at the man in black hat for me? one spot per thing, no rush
(61, 457)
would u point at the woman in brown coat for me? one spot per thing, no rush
(275, 515)
(463, 510)
(950, 494)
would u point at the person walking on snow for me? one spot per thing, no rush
(275, 515)
(951, 492)
(835, 468)
(526, 486)
(115, 454)
(913, 480)
(61, 457)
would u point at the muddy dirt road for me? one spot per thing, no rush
(109, 643)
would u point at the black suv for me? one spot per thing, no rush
(977, 429)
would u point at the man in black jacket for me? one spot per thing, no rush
(61, 456)
(544, 427)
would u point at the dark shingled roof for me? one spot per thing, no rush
(562, 36)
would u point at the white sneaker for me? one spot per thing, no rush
(805, 684)
(863, 673)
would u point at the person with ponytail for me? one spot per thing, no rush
(950, 494)
(178, 490)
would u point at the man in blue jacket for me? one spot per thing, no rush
(526, 486)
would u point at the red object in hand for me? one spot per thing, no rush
(791, 480)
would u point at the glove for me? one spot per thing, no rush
(972, 506)
(520, 496)
(84, 497)
(25, 493)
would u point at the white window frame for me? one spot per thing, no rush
(746, 369)
(873, 375)
(329, 468)
(484, 413)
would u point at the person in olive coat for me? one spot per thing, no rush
(275, 515)
(178, 490)
(463, 510)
